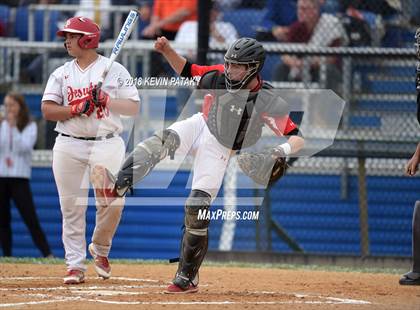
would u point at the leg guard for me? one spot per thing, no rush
(144, 157)
(195, 239)
(416, 238)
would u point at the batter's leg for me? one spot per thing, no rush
(108, 154)
(72, 181)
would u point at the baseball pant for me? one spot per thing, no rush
(211, 158)
(73, 160)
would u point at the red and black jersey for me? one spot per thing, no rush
(279, 124)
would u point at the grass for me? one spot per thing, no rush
(59, 261)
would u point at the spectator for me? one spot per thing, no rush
(317, 29)
(279, 15)
(373, 13)
(168, 16)
(228, 4)
(220, 32)
(411, 10)
(96, 10)
(146, 10)
(3, 32)
(380, 7)
(17, 139)
(166, 19)
(253, 4)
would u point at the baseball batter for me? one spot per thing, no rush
(88, 123)
(228, 122)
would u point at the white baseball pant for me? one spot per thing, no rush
(211, 158)
(73, 160)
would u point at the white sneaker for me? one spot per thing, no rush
(102, 266)
(74, 277)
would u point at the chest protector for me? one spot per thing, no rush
(235, 118)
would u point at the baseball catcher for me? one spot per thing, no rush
(229, 122)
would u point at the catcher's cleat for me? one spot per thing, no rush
(102, 266)
(74, 277)
(410, 278)
(175, 289)
(104, 184)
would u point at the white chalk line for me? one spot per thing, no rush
(115, 290)
(346, 301)
(108, 293)
(55, 278)
(29, 303)
(66, 288)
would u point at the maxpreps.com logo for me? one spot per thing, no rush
(131, 18)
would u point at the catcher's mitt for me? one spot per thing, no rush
(264, 168)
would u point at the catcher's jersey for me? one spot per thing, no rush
(69, 85)
(280, 125)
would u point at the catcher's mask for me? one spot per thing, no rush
(248, 52)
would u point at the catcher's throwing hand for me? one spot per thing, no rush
(161, 44)
(84, 108)
(264, 168)
(100, 98)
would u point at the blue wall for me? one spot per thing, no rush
(309, 207)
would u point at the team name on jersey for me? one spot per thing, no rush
(77, 93)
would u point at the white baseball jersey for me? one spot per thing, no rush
(69, 84)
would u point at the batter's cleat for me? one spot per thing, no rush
(410, 278)
(74, 277)
(175, 289)
(102, 266)
(103, 182)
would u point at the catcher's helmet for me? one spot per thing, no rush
(244, 51)
(86, 27)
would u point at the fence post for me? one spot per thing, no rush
(363, 208)
(345, 123)
(31, 24)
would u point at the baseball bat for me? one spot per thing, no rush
(125, 32)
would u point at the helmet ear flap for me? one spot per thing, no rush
(83, 42)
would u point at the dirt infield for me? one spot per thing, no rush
(33, 286)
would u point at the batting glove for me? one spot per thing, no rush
(100, 98)
(84, 108)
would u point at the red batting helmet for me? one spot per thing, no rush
(85, 26)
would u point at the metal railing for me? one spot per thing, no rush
(48, 8)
